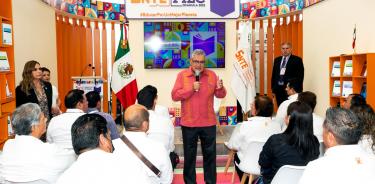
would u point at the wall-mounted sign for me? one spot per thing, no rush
(187, 9)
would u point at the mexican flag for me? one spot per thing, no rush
(124, 83)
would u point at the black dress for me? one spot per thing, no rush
(22, 97)
(277, 153)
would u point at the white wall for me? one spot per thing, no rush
(164, 79)
(34, 36)
(327, 31)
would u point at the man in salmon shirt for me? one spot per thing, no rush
(195, 87)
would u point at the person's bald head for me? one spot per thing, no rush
(136, 118)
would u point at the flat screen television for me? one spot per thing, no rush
(169, 44)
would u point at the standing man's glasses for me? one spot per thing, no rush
(198, 62)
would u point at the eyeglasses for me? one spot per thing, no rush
(198, 62)
(35, 69)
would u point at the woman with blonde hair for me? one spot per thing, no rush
(33, 89)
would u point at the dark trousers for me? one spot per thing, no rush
(207, 136)
(280, 94)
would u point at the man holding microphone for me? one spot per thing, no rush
(195, 87)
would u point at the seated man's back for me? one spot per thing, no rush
(255, 129)
(152, 150)
(341, 164)
(59, 129)
(97, 166)
(161, 129)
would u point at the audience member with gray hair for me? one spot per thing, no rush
(137, 123)
(26, 158)
(344, 161)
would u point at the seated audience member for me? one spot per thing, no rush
(59, 130)
(258, 128)
(293, 87)
(353, 99)
(160, 128)
(366, 114)
(26, 158)
(46, 76)
(297, 145)
(96, 164)
(136, 126)
(310, 99)
(95, 106)
(344, 161)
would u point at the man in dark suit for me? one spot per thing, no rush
(285, 67)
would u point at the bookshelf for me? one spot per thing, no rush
(360, 64)
(7, 78)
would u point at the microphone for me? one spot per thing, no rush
(197, 75)
(87, 66)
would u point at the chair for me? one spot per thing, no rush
(249, 165)
(288, 174)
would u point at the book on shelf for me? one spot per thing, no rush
(347, 88)
(348, 68)
(335, 69)
(363, 92)
(7, 34)
(4, 63)
(365, 73)
(7, 91)
(336, 88)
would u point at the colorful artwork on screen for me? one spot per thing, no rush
(90, 8)
(169, 44)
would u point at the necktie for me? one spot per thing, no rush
(283, 62)
(281, 78)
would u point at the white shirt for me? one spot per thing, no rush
(161, 129)
(161, 110)
(344, 164)
(98, 167)
(255, 129)
(282, 110)
(366, 144)
(59, 128)
(26, 158)
(152, 150)
(318, 126)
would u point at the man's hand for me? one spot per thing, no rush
(196, 85)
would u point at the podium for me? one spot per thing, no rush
(89, 83)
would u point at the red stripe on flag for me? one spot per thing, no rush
(128, 95)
